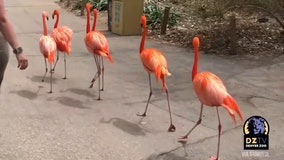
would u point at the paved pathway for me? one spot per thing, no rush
(71, 124)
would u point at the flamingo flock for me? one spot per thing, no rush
(208, 87)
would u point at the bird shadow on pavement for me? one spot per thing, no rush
(39, 79)
(126, 126)
(27, 94)
(70, 102)
(80, 92)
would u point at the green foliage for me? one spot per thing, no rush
(154, 14)
(99, 4)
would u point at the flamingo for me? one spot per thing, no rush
(211, 91)
(154, 61)
(97, 44)
(47, 47)
(62, 36)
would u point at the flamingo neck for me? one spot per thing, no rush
(95, 22)
(195, 64)
(142, 43)
(88, 21)
(44, 26)
(57, 21)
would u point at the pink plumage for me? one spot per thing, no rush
(62, 35)
(211, 92)
(97, 44)
(46, 42)
(155, 62)
(47, 48)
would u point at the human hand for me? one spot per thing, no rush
(22, 61)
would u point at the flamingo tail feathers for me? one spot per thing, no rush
(68, 50)
(106, 54)
(50, 57)
(109, 58)
(160, 71)
(231, 105)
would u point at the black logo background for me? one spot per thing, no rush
(256, 130)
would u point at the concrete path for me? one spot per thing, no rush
(71, 124)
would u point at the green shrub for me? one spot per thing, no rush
(154, 14)
(99, 4)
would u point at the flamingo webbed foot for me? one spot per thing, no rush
(214, 158)
(172, 128)
(142, 115)
(183, 139)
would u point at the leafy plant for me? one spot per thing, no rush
(154, 14)
(99, 4)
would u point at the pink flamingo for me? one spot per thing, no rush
(62, 36)
(47, 47)
(211, 92)
(154, 62)
(97, 45)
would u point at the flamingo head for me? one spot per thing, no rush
(143, 21)
(88, 6)
(44, 15)
(195, 42)
(55, 12)
(95, 11)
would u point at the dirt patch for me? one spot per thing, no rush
(255, 39)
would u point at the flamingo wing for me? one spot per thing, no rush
(209, 88)
(62, 36)
(211, 91)
(97, 43)
(47, 47)
(154, 61)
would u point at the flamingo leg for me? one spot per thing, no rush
(103, 73)
(150, 94)
(172, 128)
(196, 124)
(97, 60)
(64, 66)
(99, 77)
(219, 135)
(57, 58)
(50, 78)
(97, 74)
(46, 70)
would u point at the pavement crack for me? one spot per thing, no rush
(262, 97)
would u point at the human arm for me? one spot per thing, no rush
(8, 32)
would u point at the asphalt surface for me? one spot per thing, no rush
(71, 124)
